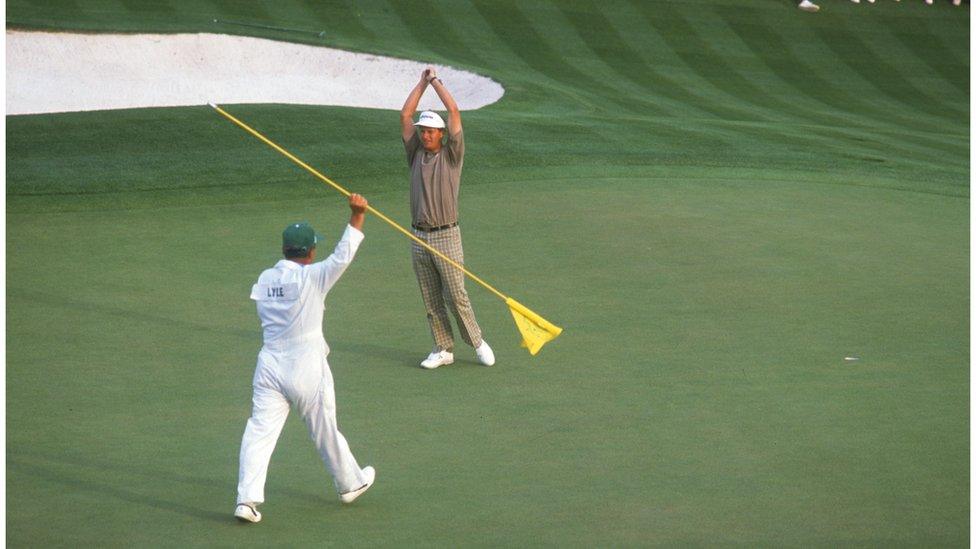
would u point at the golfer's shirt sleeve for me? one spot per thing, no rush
(411, 146)
(325, 274)
(455, 148)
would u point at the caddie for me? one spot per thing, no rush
(292, 370)
(435, 180)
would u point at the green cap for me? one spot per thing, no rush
(299, 237)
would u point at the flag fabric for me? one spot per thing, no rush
(536, 331)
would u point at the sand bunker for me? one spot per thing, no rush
(63, 72)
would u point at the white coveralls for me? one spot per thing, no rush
(292, 370)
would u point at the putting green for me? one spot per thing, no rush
(718, 203)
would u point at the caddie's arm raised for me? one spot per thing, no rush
(327, 272)
(358, 204)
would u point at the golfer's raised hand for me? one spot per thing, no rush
(430, 73)
(358, 206)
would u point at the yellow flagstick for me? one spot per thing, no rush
(536, 331)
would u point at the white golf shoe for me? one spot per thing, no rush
(247, 512)
(437, 358)
(807, 5)
(485, 354)
(370, 474)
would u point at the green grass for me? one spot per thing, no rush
(719, 201)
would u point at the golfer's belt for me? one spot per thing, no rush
(434, 229)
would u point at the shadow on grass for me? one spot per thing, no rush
(370, 352)
(366, 353)
(363, 351)
(78, 474)
(130, 314)
(49, 472)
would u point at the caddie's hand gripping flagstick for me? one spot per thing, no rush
(536, 331)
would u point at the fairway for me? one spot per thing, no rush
(751, 222)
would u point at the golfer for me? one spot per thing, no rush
(435, 180)
(292, 369)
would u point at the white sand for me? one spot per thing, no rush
(64, 72)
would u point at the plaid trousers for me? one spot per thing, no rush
(442, 287)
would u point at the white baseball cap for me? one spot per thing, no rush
(430, 119)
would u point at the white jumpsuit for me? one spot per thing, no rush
(292, 370)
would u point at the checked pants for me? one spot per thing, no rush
(442, 287)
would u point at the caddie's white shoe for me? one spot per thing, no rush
(485, 354)
(807, 5)
(370, 474)
(437, 358)
(247, 512)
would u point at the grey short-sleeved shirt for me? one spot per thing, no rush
(435, 180)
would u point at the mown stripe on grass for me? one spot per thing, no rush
(626, 63)
(847, 80)
(603, 39)
(340, 18)
(512, 25)
(655, 54)
(954, 40)
(700, 57)
(777, 54)
(882, 75)
(934, 54)
(427, 24)
(390, 35)
(926, 61)
(746, 55)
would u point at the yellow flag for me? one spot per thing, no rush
(536, 331)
